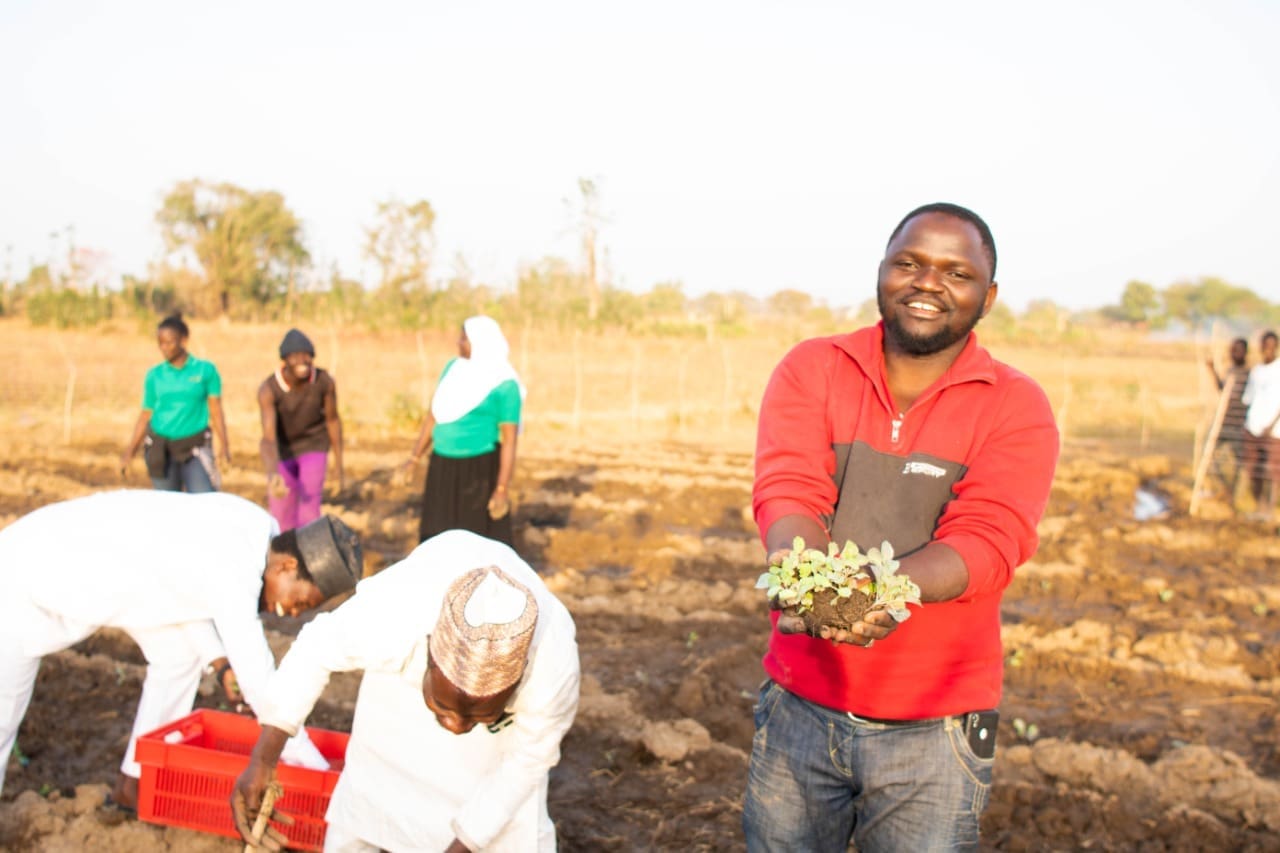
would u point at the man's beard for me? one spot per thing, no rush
(922, 344)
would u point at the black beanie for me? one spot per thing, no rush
(295, 341)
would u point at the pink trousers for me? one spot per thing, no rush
(304, 478)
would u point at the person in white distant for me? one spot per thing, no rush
(470, 683)
(185, 575)
(1262, 428)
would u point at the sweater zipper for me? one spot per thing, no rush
(897, 426)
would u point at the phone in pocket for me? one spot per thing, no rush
(980, 729)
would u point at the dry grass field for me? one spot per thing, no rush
(1143, 671)
(598, 387)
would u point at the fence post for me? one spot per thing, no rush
(728, 384)
(68, 400)
(577, 381)
(635, 385)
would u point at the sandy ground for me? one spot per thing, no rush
(1143, 668)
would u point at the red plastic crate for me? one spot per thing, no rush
(190, 766)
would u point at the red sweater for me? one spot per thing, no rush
(969, 464)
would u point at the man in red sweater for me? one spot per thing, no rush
(909, 432)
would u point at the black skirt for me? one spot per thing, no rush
(457, 494)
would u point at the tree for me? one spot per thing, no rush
(666, 301)
(790, 303)
(401, 243)
(589, 220)
(1209, 298)
(546, 291)
(1045, 319)
(248, 244)
(1138, 304)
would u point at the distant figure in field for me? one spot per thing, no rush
(1262, 427)
(471, 432)
(300, 425)
(1231, 433)
(181, 397)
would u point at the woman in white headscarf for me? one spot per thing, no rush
(471, 433)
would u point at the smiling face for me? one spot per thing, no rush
(454, 710)
(285, 593)
(298, 364)
(173, 346)
(934, 286)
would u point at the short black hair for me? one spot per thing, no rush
(988, 242)
(176, 323)
(287, 543)
(1269, 334)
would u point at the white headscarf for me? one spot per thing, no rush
(470, 380)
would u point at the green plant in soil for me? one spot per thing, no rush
(834, 589)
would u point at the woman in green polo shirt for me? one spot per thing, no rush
(471, 431)
(180, 397)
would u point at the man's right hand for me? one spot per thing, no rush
(246, 802)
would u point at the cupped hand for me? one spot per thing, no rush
(876, 624)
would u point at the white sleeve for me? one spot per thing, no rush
(322, 648)
(204, 639)
(247, 652)
(542, 714)
(1250, 389)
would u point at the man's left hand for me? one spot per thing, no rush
(874, 625)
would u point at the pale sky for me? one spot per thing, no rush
(737, 145)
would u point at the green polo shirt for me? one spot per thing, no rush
(476, 432)
(178, 398)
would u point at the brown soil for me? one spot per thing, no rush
(1145, 655)
(831, 611)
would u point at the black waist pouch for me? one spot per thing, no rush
(159, 451)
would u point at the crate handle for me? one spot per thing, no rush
(188, 728)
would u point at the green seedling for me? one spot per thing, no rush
(805, 571)
(1166, 595)
(1027, 731)
(20, 756)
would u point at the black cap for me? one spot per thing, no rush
(295, 341)
(332, 553)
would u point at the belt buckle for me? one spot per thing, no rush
(864, 721)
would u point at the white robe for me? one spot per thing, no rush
(409, 784)
(181, 573)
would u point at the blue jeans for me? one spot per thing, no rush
(188, 476)
(819, 778)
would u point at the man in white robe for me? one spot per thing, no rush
(470, 683)
(185, 575)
